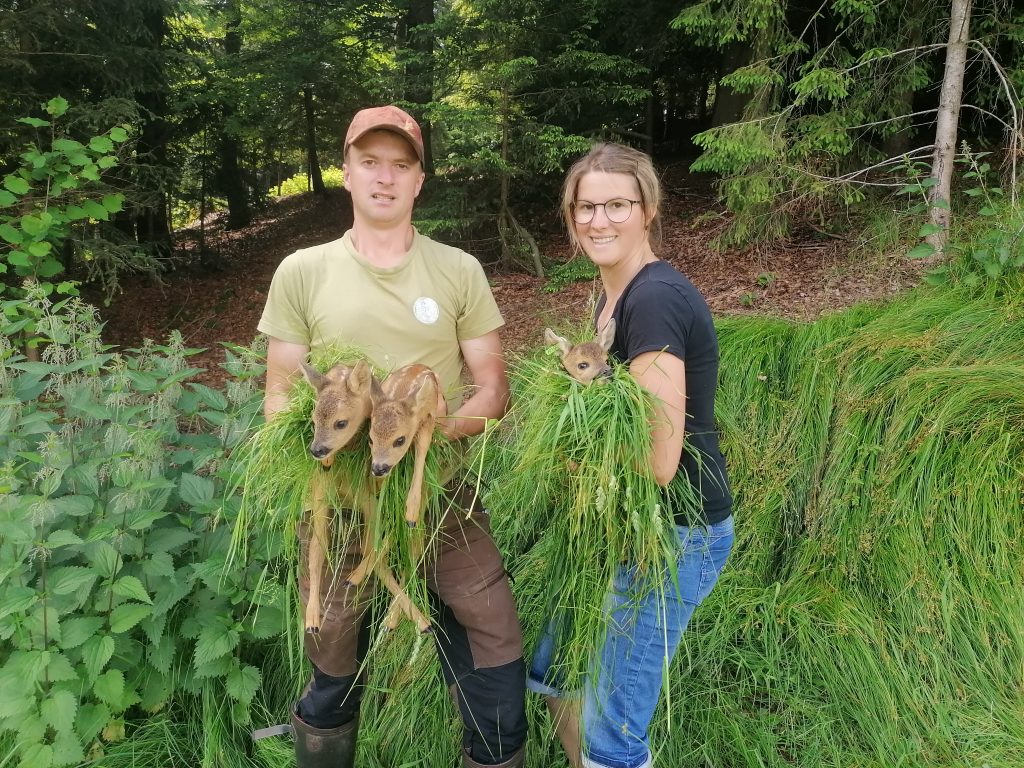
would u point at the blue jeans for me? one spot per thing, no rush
(643, 636)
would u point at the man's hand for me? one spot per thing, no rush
(442, 424)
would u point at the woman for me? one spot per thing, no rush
(664, 332)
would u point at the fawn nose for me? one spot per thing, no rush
(318, 451)
(379, 470)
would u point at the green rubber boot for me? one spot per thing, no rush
(325, 747)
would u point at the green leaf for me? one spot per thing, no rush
(928, 229)
(78, 629)
(33, 225)
(96, 652)
(39, 249)
(59, 669)
(68, 146)
(921, 251)
(108, 161)
(91, 720)
(196, 490)
(59, 710)
(7, 199)
(160, 565)
(131, 587)
(17, 599)
(57, 106)
(62, 538)
(67, 749)
(36, 756)
(109, 688)
(95, 210)
(10, 234)
(113, 203)
(35, 122)
(161, 655)
(118, 134)
(126, 616)
(987, 210)
(16, 184)
(101, 144)
(75, 213)
(168, 539)
(74, 505)
(242, 683)
(106, 559)
(214, 641)
(268, 622)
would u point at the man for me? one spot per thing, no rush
(404, 298)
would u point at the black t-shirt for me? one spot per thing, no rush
(662, 310)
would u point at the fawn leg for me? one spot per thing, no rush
(414, 501)
(401, 602)
(317, 541)
(370, 555)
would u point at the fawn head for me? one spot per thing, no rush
(342, 405)
(406, 399)
(589, 360)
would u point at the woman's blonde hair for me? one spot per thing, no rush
(606, 157)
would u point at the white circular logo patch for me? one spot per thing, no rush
(426, 310)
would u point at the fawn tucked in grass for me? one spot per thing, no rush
(588, 360)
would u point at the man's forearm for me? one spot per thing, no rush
(471, 418)
(274, 402)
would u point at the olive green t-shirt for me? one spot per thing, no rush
(416, 312)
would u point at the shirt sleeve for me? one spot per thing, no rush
(284, 315)
(480, 313)
(656, 317)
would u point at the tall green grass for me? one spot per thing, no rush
(871, 614)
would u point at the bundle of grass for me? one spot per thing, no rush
(581, 482)
(280, 481)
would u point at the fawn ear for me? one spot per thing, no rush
(550, 337)
(360, 378)
(426, 393)
(376, 393)
(607, 336)
(313, 376)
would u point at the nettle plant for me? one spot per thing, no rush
(114, 595)
(42, 200)
(988, 236)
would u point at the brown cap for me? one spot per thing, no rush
(387, 118)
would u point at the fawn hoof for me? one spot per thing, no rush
(428, 630)
(312, 630)
(411, 523)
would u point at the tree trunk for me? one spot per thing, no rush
(948, 118)
(152, 224)
(239, 212)
(729, 105)
(420, 72)
(316, 178)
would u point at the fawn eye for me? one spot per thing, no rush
(583, 366)
(399, 442)
(341, 424)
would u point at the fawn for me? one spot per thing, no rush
(404, 408)
(587, 361)
(343, 404)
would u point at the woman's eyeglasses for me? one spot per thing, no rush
(617, 210)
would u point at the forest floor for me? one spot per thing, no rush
(801, 278)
